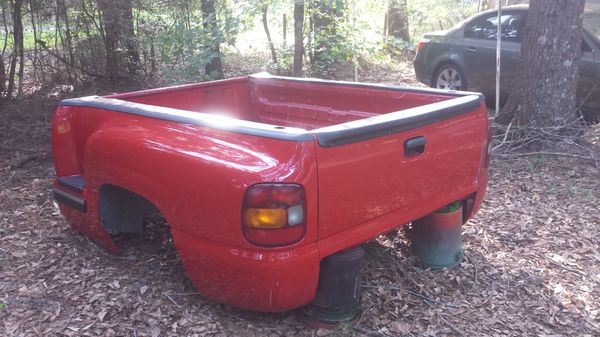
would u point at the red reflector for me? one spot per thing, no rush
(422, 42)
(274, 214)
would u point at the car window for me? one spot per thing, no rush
(486, 27)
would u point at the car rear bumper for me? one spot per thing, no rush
(422, 72)
(271, 280)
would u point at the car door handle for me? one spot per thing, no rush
(471, 50)
(414, 146)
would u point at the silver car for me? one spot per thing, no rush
(464, 57)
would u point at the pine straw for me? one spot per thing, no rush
(532, 265)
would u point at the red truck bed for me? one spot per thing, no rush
(367, 158)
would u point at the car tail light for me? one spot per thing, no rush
(421, 44)
(274, 214)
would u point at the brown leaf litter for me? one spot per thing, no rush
(532, 264)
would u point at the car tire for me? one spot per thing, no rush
(449, 77)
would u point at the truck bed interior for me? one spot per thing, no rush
(283, 102)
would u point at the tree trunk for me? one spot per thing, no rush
(270, 41)
(41, 57)
(127, 31)
(2, 63)
(119, 33)
(284, 30)
(397, 20)
(88, 35)
(35, 45)
(17, 48)
(214, 67)
(152, 59)
(110, 23)
(385, 24)
(62, 9)
(543, 91)
(298, 37)
(490, 4)
(2, 76)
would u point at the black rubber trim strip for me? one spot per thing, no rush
(396, 122)
(431, 91)
(189, 117)
(75, 182)
(69, 199)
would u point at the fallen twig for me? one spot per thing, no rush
(369, 332)
(452, 327)
(505, 137)
(172, 300)
(426, 299)
(9, 178)
(68, 322)
(24, 161)
(16, 148)
(490, 296)
(560, 265)
(541, 153)
(104, 252)
(187, 294)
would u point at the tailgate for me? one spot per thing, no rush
(399, 166)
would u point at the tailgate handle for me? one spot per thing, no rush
(414, 146)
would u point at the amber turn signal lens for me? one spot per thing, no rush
(265, 217)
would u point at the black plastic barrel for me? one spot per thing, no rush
(338, 293)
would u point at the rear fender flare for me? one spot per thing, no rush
(104, 168)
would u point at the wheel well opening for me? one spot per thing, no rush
(123, 211)
(140, 230)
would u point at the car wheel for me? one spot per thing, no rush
(449, 77)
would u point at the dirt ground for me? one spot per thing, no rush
(532, 263)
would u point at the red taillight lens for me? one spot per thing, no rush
(421, 44)
(274, 214)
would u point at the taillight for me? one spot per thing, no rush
(421, 44)
(274, 214)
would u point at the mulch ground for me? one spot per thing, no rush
(532, 264)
